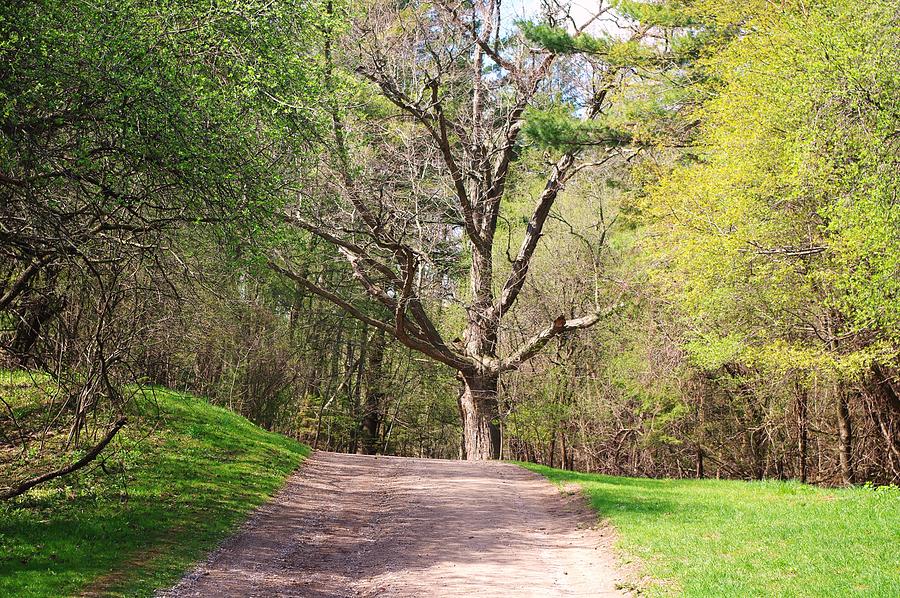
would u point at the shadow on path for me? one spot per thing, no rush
(352, 525)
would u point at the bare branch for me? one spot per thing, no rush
(412, 338)
(358, 257)
(561, 171)
(536, 343)
(87, 458)
(18, 286)
(353, 248)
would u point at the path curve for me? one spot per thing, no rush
(353, 525)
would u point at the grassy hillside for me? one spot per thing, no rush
(177, 483)
(731, 538)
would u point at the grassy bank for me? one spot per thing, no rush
(731, 538)
(179, 479)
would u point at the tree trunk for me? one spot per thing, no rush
(31, 323)
(755, 449)
(885, 395)
(361, 377)
(845, 433)
(372, 406)
(803, 434)
(478, 404)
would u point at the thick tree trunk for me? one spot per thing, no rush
(478, 406)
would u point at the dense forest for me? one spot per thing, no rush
(645, 238)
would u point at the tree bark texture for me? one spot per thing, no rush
(845, 434)
(479, 407)
(803, 435)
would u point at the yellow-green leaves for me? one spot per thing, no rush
(785, 233)
(664, 14)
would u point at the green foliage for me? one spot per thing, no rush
(557, 128)
(172, 492)
(788, 221)
(174, 112)
(725, 538)
(616, 53)
(656, 14)
(558, 40)
(630, 54)
(538, 418)
(712, 352)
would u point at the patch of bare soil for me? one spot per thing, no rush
(351, 525)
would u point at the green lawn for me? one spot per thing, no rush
(169, 494)
(728, 538)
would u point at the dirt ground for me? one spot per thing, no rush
(350, 525)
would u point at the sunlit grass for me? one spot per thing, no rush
(731, 538)
(178, 483)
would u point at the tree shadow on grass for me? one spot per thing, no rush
(188, 487)
(644, 497)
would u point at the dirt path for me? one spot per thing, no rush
(348, 525)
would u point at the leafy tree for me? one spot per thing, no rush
(780, 232)
(128, 130)
(122, 120)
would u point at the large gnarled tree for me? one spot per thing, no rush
(411, 195)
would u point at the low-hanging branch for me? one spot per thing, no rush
(407, 333)
(87, 458)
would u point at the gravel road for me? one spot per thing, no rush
(352, 525)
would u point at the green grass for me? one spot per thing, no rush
(168, 494)
(729, 538)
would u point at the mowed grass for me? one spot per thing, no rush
(182, 476)
(729, 538)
